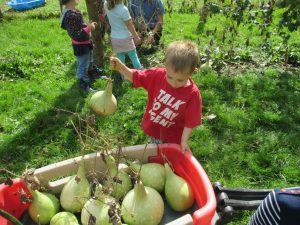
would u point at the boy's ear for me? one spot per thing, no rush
(194, 71)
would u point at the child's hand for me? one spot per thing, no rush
(137, 40)
(93, 25)
(115, 63)
(185, 147)
(150, 38)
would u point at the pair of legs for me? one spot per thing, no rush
(84, 63)
(133, 57)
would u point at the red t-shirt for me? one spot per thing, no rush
(168, 110)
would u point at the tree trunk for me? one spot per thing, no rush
(94, 9)
(1, 14)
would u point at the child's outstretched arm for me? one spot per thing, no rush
(117, 65)
(185, 138)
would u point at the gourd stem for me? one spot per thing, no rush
(140, 190)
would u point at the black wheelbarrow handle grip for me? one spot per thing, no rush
(241, 193)
(241, 204)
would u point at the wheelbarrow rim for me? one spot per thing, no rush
(10, 217)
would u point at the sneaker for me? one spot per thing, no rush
(90, 90)
(85, 86)
(103, 77)
(96, 73)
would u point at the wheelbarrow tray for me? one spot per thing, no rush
(183, 163)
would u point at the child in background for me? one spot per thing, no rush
(174, 104)
(280, 207)
(152, 12)
(123, 34)
(80, 32)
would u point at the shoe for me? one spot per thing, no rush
(85, 86)
(103, 77)
(90, 90)
(96, 73)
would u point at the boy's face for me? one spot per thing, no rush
(177, 79)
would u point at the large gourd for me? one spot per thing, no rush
(104, 102)
(98, 207)
(76, 191)
(152, 174)
(64, 218)
(43, 207)
(118, 180)
(178, 192)
(142, 206)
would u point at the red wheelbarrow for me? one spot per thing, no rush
(184, 164)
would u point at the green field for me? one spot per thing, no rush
(251, 111)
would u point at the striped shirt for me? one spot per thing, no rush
(280, 207)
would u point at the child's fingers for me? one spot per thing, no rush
(93, 25)
(113, 62)
(138, 41)
(185, 147)
(112, 59)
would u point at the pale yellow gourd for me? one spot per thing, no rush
(104, 102)
(178, 192)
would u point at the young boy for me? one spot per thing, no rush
(174, 105)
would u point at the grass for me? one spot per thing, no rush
(253, 141)
(252, 121)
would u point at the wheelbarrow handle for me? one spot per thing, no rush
(241, 204)
(241, 193)
(10, 217)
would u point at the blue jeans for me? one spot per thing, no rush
(83, 63)
(133, 57)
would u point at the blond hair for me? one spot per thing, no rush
(182, 56)
(112, 3)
